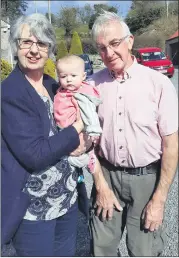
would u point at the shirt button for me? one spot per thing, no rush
(120, 147)
(120, 97)
(120, 113)
(120, 130)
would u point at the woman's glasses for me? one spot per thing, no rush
(27, 44)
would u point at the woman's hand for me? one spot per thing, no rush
(85, 144)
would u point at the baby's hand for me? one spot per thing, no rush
(95, 140)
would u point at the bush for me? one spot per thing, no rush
(50, 68)
(6, 69)
(76, 46)
(61, 50)
(87, 44)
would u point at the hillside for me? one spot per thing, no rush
(153, 35)
(157, 32)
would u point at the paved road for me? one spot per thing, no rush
(171, 220)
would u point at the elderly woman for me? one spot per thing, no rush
(39, 188)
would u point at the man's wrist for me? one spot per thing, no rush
(159, 197)
(100, 182)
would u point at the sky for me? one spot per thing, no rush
(42, 6)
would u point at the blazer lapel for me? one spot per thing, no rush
(50, 85)
(36, 100)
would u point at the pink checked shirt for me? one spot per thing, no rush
(136, 112)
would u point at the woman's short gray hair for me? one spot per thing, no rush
(39, 26)
(106, 17)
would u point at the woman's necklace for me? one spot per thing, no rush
(42, 90)
(39, 87)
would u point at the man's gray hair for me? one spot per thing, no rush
(105, 17)
(39, 26)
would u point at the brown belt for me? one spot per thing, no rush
(151, 168)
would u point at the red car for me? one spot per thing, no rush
(156, 59)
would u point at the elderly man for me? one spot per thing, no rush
(138, 147)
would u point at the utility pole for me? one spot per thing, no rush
(167, 8)
(49, 12)
(35, 6)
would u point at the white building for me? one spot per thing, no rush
(5, 45)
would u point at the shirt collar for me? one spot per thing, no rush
(125, 74)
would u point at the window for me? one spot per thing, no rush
(152, 56)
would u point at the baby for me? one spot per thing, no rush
(71, 74)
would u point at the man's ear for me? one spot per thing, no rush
(84, 76)
(130, 42)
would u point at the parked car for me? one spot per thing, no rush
(156, 59)
(88, 64)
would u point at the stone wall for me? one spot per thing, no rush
(5, 45)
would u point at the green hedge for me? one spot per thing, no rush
(76, 46)
(50, 68)
(61, 50)
(6, 69)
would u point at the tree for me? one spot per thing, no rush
(68, 19)
(85, 13)
(13, 9)
(142, 14)
(76, 46)
(98, 9)
(173, 7)
(61, 50)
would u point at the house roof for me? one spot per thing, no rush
(175, 35)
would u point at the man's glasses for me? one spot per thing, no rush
(113, 45)
(27, 44)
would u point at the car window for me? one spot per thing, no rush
(151, 56)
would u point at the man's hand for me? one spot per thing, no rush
(106, 201)
(154, 211)
(85, 144)
(153, 215)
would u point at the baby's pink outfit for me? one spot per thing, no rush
(64, 109)
(65, 112)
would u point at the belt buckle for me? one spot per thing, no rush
(124, 169)
(139, 172)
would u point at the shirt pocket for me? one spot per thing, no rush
(144, 114)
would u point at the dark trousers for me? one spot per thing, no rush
(55, 237)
